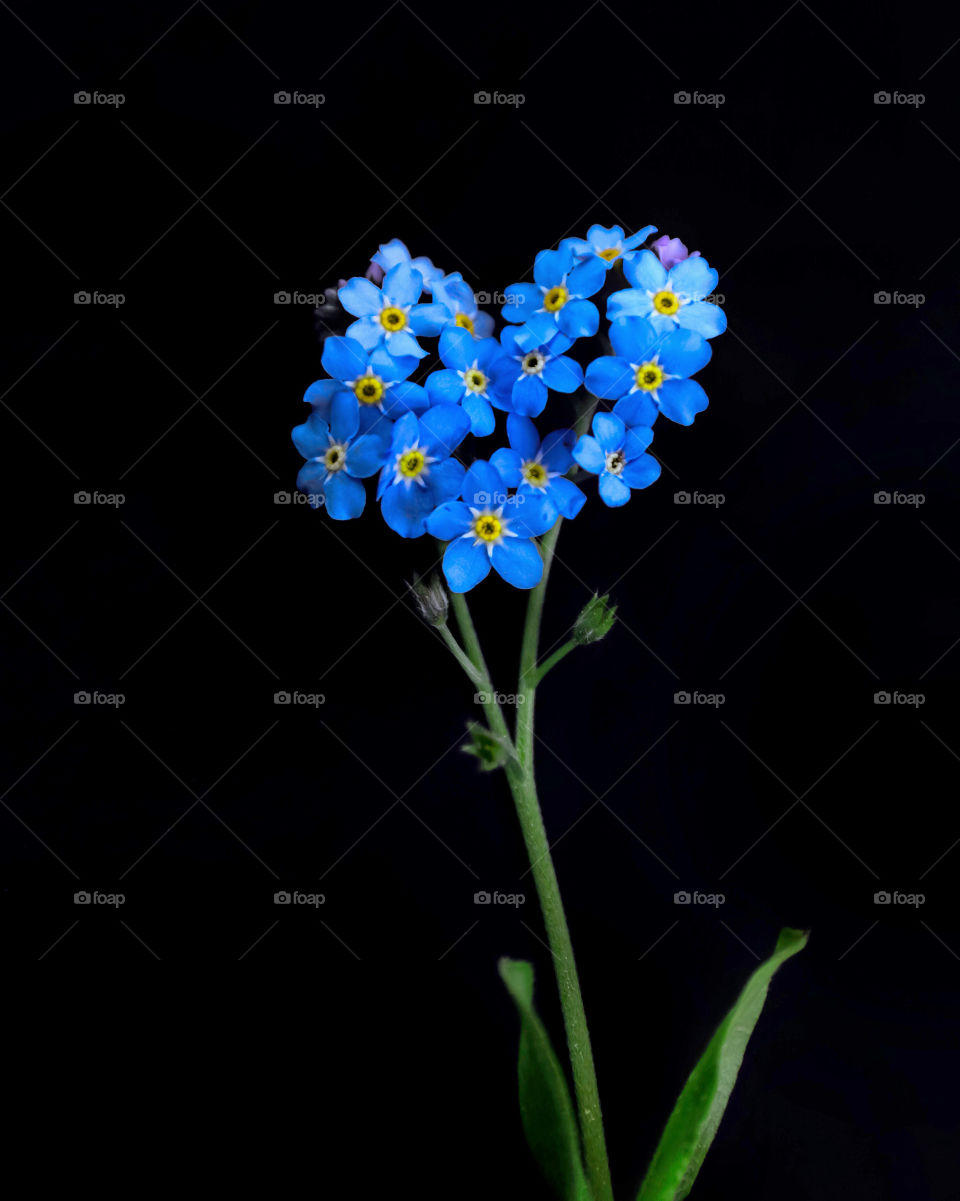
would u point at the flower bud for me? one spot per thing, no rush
(595, 621)
(430, 597)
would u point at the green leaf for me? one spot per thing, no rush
(489, 749)
(546, 1110)
(696, 1115)
(595, 620)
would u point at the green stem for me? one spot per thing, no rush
(554, 659)
(474, 651)
(476, 677)
(524, 788)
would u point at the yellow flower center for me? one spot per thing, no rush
(488, 527)
(475, 380)
(368, 389)
(411, 463)
(649, 377)
(535, 473)
(556, 298)
(610, 253)
(393, 319)
(463, 321)
(533, 362)
(335, 458)
(666, 302)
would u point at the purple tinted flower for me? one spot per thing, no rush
(671, 251)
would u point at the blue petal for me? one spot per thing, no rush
(538, 330)
(367, 331)
(682, 399)
(483, 325)
(640, 236)
(391, 253)
(613, 491)
(321, 393)
(443, 428)
(445, 387)
(589, 454)
(344, 416)
(521, 301)
(404, 343)
(405, 508)
(310, 481)
(638, 408)
(360, 297)
(445, 480)
(707, 319)
(312, 438)
(551, 266)
(483, 486)
(522, 435)
(404, 397)
(449, 521)
(529, 396)
(609, 377)
(531, 513)
(609, 431)
(579, 318)
(457, 348)
(345, 497)
(642, 472)
(683, 352)
(645, 271)
(633, 338)
(405, 433)
(562, 373)
(566, 496)
(365, 456)
(507, 463)
(694, 277)
(392, 367)
(372, 421)
(465, 565)
(482, 420)
(636, 441)
(556, 452)
(602, 237)
(344, 358)
(629, 303)
(588, 278)
(518, 561)
(428, 319)
(402, 285)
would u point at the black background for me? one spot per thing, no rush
(390, 1038)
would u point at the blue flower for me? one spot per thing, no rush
(394, 252)
(607, 244)
(389, 315)
(616, 455)
(537, 469)
(478, 372)
(490, 529)
(336, 459)
(557, 301)
(457, 296)
(648, 373)
(419, 474)
(540, 367)
(374, 381)
(670, 298)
